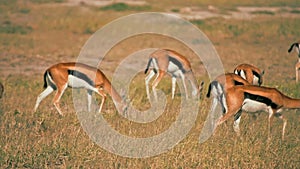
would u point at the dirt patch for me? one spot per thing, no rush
(102, 2)
(196, 13)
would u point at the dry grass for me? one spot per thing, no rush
(46, 140)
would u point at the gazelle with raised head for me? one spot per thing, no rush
(77, 75)
(164, 61)
(252, 99)
(250, 73)
(297, 66)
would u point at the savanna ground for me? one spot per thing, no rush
(35, 34)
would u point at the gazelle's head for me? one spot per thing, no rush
(196, 89)
(258, 77)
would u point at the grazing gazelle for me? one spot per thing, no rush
(226, 81)
(252, 98)
(219, 86)
(168, 61)
(77, 75)
(250, 73)
(297, 66)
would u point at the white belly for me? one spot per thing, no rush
(76, 82)
(253, 106)
(174, 70)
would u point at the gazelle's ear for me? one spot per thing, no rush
(263, 72)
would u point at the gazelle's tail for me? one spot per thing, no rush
(48, 80)
(148, 65)
(292, 46)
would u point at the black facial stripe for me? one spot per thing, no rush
(81, 76)
(177, 63)
(261, 99)
(239, 72)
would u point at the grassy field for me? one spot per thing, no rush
(35, 34)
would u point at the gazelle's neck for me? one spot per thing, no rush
(291, 103)
(194, 85)
(112, 92)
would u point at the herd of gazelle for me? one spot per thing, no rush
(236, 92)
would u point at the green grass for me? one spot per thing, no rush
(264, 12)
(295, 11)
(46, 140)
(124, 7)
(10, 28)
(33, 140)
(47, 1)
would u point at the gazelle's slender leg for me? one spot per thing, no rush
(173, 86)
(89, 99)
(270, 120)
(156, 81)
(42, 96)
(297, 74)
(147, 80)
(57, 97)
(237, 120)
(184, 85)
(103, 95)
(279, 115)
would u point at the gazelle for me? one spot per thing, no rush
(252, 98)
(168, 61)
(226, 81)
(77, 75)
(219, 86)
(250, 73)
(297, 66)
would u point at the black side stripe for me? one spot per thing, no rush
(81, 76)
(256, 74)
(177, 63)
(237, 83)
(261, 99)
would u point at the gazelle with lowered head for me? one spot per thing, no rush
(297, 66)
(77, 75)
(225, 81)
(252, 99)
(250, 73)
(220, 85)
(164, 61)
